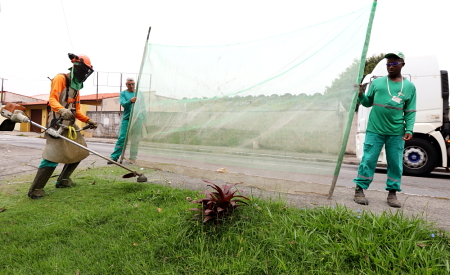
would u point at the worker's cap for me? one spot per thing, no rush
(395, 54)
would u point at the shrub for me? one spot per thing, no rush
(218, 205)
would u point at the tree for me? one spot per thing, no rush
(371, 62)
(345, 80)
(346, 77)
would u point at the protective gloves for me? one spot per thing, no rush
(92, 123)
(66, 114)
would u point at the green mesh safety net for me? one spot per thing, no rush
(274, 112)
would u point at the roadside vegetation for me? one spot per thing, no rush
(110, 225)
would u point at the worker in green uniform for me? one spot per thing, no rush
(391, 122)
(127, 100)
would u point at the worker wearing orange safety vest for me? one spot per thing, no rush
(64, 109)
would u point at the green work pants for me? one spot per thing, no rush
(394, 146)
(135, 136)
(47, 163)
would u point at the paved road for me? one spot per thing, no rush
(436, 184)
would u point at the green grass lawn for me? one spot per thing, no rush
(110, 225)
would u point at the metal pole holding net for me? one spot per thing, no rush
(353, 105)
(137, 90)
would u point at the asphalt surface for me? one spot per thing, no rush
(189, 174)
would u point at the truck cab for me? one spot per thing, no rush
(429, 147)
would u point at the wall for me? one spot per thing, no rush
(111, 104)
(26, 127)
(108, 124)
(106, 104)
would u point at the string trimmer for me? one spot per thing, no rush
(14, 113)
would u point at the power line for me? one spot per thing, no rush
(67, 26)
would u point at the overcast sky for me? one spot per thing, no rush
(37, 35)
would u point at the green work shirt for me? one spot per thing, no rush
(390, 117)
(124, 98)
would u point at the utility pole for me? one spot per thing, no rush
(1, 100)
(2, 82)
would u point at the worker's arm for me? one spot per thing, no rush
(58, 85)
(78, 114)
(410, 113)
(124, 101)
(366, 100)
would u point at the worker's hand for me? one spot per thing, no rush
(133, 99)
(66, 114)
(93, 124)
(362, 87)
(407, 136)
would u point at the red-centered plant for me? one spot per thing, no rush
(218, 205)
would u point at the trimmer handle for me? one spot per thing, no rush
(88, 126)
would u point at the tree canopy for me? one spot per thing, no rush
(371, 62)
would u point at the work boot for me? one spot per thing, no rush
(360, 197)
(132, 161)
(392, 199)
(64, 180)
(40, 180)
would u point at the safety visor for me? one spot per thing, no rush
(82, 71)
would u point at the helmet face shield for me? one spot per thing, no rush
(81, 71)
(82, 67)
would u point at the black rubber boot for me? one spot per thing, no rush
(392, 199)
(64, 180)
(40, 180)
(360, 197)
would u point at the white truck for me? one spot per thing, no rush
(429, 147)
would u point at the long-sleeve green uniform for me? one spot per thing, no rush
(125, 101)
(393, 114)
(389, 117)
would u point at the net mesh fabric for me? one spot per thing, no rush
(275, 105)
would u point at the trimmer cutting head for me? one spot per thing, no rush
(141, 177)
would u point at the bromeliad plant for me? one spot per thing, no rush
(218, 205)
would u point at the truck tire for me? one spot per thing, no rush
(419, 157)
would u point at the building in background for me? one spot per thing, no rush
(6, 96)
(37, 109)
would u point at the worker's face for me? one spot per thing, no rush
(130, 86)
(394, 65)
